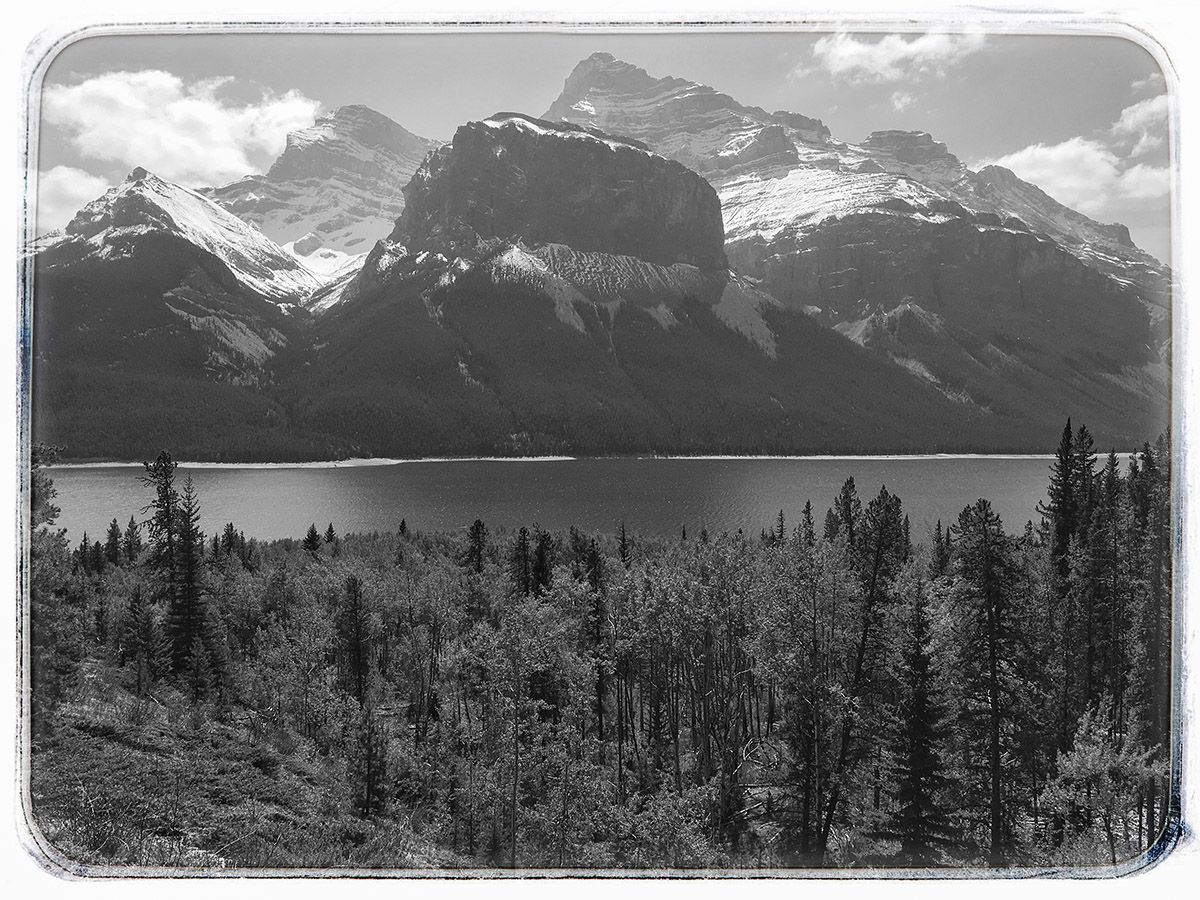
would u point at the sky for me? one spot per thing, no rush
(1085, 118)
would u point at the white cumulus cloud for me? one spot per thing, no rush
(894, 56)
(1086, 174)
(188, 132)
(62, 191)
(1142, 116)
(902, 100)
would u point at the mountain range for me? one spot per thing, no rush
(648, 266)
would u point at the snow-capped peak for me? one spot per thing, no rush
(145, 204)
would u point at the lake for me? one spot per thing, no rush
(653, 496)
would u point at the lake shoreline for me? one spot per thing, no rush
(384, 461)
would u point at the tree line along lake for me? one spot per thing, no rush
(651, 495)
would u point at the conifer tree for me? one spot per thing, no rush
(330, 534)
(542, 568)
(312, 541)
(186, 612)
(985, 566)
(848, 508)
(355, 634)
(808, 532)
(131, 542)
(476, 546)
(112, 544)
(520, 566)
(920, 821)
(624, 551)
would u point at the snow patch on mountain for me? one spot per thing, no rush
(145, 204)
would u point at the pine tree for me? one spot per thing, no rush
(920, 821)
(1059, 510)
(988, 579)
(780, 532)
(848, 508)
(131, 542)
(330, 535)
(143, 645)
(186, 611)
(112, 544)
(808, 532)
(477, 539)
(83, 554)
(312, 541)
(96, 558)
(355, 634)
(833, 525)
(542, 569)
(164, 537)
(624, 550)
(520, 566)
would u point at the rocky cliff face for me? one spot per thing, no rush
(337, 186)
(817, 176)
(700, 127)
(862, 234)
(513, 178)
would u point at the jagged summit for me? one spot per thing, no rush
(693, 123)
(146, 205)
(340, 180)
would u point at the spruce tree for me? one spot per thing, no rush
(624, 550)
(808, 532)
(112, 544)
(186, 612)
(520, 565)
(985, 566)
(312, 541)
(131, 542)
(330, 534)
(476, 553)
(920, 821)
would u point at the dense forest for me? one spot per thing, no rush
(834, 691)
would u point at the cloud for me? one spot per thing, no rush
(1086, 174)
(188, 132)
(62, 191)
(1154, 81)
(893, 57)
(1142, 127)
(1142, 116)
(902, 100)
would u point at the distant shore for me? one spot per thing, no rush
(383, 461)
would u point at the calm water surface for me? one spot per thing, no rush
(652, 496)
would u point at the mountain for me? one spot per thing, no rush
(550, 288)
(993, 292)
(156, 315)
(335, 190)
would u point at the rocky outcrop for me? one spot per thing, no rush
(340, 181)
(1019, 283)
(515, 178)
(700, 127)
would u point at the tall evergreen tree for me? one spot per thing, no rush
(112, 544)
(520, 565)
(312, 541)
(984, 563)
(808, 533)
(186, 612)
(131, 542)
(920, 821)
(477, 539)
